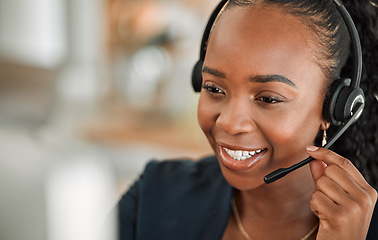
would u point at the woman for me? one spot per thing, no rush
(265, 76)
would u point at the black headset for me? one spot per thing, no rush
(343, 94)
(344, 101)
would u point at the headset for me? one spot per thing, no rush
(344, 101)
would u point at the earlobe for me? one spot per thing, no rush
(324, 125)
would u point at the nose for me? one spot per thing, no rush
(236, 118)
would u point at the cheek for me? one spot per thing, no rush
(206, 115)
(293, 130)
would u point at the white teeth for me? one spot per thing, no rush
(238, 153)
(241, 155)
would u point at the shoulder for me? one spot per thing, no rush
(182, 169)
(175, 176)
(170, 195)
(184, 165)
(162, 181)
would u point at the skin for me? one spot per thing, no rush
(241, 109)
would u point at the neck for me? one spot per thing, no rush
(286, 199)
(280, 210)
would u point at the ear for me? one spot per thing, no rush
(324, 125)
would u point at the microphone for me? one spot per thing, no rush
(281, 172)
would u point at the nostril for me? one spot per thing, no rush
(235, 124)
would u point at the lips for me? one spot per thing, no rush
(240, 160)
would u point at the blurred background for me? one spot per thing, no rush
(90, 91)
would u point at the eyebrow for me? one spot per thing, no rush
(213, 72)
(257, 79)
(272, 78)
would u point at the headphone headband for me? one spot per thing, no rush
(356, 44)
(208, 27)
(355, 40)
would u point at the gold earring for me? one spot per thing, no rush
(324, 141)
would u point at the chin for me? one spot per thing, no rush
(245, 179)
(241, 182)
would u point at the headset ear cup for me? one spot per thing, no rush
(347, 101)
(197, 76)
(331, 100)
(341, 105)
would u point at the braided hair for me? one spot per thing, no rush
(359, 143)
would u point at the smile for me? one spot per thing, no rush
(241, 154)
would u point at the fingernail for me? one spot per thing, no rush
(312, 148)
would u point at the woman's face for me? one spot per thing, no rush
(262, 96)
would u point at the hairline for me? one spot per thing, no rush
(316, 40)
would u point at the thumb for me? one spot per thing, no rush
(317, 168)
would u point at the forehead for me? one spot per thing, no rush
(278, 40)
(262, 21)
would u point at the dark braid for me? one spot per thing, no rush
(360, 142)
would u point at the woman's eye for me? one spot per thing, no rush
(211, 88)
(269, 99)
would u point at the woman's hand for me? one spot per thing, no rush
(343, 200)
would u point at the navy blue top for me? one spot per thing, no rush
(182, 199)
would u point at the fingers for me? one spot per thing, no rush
(341, 171)
(345, 181)
(331, 158)
(321, 204)
(340, 181)
(332, 190)
(343, 200)
(317, 168)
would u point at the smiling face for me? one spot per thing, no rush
(262, 95)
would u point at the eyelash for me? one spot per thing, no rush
(211, 88)
(269, 99)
